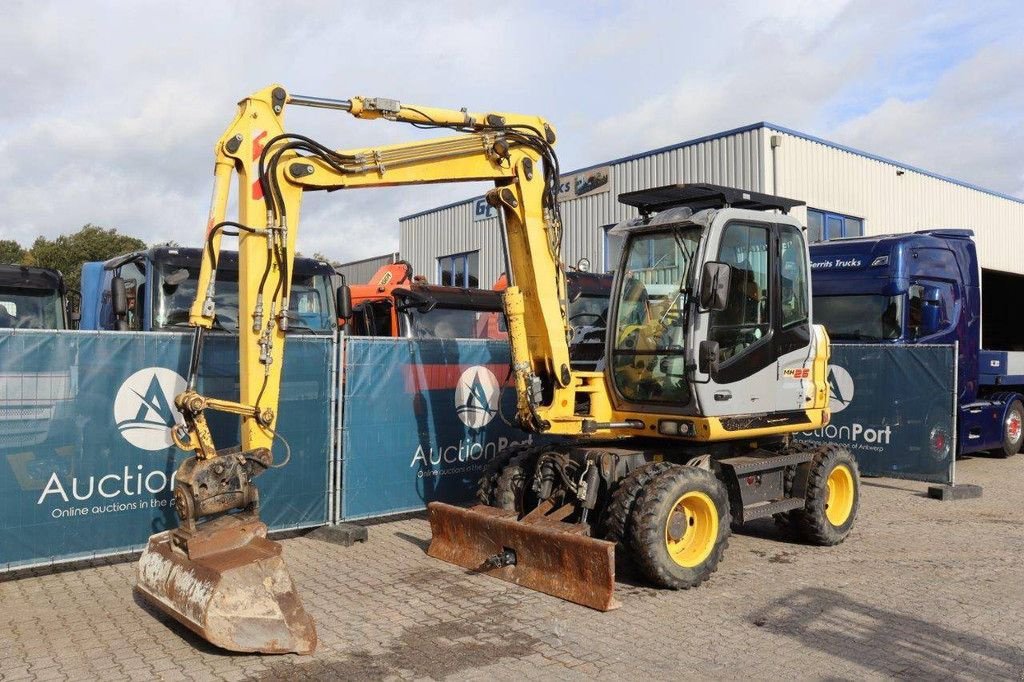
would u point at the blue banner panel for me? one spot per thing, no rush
(421, 418)
(894, 408)
(86, 458)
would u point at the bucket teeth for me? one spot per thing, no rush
(540, 552)
(229, 585)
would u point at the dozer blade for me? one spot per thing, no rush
(228, 583)
(539, 552)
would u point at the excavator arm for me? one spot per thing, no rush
(275, 169)
(221, 542)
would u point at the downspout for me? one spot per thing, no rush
(776, 142)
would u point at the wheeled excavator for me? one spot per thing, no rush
(712, 364)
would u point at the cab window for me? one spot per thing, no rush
(746, 318)
(793, 276)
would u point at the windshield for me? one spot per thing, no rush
(589, 311)
(309, 303)
(651, 316)
(454, 323)
(861, 317)
(22, 308)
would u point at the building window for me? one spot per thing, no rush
(459, 270)
(823, 225)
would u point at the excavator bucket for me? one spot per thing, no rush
(540, 551)
(228, 583)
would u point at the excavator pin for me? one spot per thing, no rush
(539, 551)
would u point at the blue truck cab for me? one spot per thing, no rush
(159, 285)
(927, 287)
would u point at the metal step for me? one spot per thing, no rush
(764, 509)
(747, 464)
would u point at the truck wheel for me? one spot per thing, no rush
(832, 498)
(680, 527)
(1013, 431)
(489, 477)
(617, 526)
(514, 487)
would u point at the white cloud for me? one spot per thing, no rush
(113, 108)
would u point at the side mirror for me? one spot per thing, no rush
(707, 357)
(931, 311)
(714, 286)
(343, 302)
(119, 302)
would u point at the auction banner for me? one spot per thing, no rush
(421, 418)
(86, 458)
(894, 407)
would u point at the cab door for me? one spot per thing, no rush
(795, 388)
(744, 381)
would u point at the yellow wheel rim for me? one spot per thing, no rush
(691, 529)
(841, 491)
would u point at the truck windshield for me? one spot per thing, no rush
(650, 321)
(456, 323)
(29, 308)
(589, 311)
(860, 317)
(309, 302)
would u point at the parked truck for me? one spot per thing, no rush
(927, 287)
(153, 289)
(32, 298)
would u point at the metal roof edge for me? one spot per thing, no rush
(891, 162)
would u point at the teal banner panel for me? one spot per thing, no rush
(421, 418)
(894, 408)
(86, 458)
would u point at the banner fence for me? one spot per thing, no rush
(377, 426)
(894, 407)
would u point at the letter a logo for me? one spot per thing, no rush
(476, 397)
(144, 407)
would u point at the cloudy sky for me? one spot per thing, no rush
(113, 107)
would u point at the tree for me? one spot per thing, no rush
(319, 256)
(91, 243)
(11, 252)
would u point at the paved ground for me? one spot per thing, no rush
(920, 589)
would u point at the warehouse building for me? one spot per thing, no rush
(848, 193)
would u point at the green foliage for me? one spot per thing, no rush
(11, 252)
(319, 256)
(91, 243)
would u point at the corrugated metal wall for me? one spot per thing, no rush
(824, 176)
(731, 160)
(845, 182)
(448, 231)
(360, 271)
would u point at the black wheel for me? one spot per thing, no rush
(832, 496)
(1013, 431)
(513, 489)
(620, 506)
(680, 527)
(491, 472)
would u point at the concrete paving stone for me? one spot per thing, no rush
(921, 589)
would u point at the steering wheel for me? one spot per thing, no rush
(596, 316)
(25, 323)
